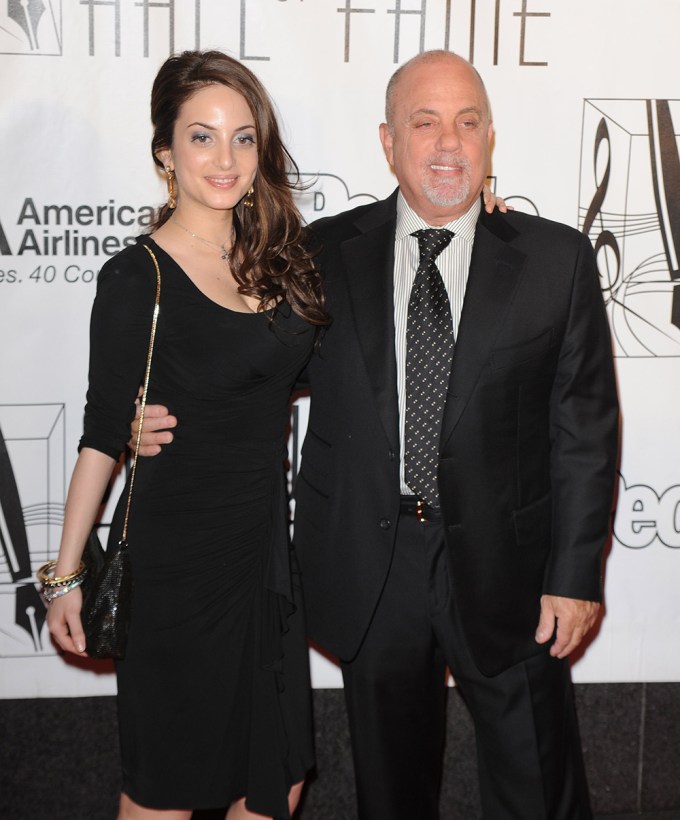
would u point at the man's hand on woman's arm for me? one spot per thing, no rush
(155, 431)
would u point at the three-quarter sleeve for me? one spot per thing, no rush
(120, 327)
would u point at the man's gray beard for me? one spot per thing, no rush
(435, 195)
(435, 198)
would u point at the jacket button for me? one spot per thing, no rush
(385, 523)
(391, 455)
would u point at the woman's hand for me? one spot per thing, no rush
(63, 620)
(492, 201)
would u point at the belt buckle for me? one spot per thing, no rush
(420, 511)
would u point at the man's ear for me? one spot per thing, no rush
(387, 141)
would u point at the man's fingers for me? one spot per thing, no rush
(565, 640)
(155, 411)
(561, 649)
(155, 431)
(150, 444)
(546, 623)
(145, 452)
(568, 638)
(575, 618)
(155, 422)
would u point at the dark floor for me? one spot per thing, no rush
(655, 815)
(59, 757)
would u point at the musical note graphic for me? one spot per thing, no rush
(630, 209)
(663, 149)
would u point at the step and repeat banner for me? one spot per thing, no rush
(586, 100)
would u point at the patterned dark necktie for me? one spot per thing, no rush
(429, 351)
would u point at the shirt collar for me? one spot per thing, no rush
(408, 221)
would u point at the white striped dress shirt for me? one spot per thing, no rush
(453, 263)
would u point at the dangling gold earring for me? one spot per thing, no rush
(248, 200)
(172, 197)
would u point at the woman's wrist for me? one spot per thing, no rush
(55, 585)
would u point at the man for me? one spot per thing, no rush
(458, 469)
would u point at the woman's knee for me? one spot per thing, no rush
(129, 810)
(294, 796)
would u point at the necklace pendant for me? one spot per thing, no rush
(225, 255)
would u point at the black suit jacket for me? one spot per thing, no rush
(529, 436)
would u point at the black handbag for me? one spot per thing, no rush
(107, 598)
(107, 588)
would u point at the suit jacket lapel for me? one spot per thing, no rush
(369, 262)
(495, 270)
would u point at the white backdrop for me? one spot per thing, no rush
(587, 111)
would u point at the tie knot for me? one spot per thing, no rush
(431, 242)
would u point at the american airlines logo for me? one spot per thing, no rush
(61, 229)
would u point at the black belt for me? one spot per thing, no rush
(412, 505)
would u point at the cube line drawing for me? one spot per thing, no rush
(32, 495)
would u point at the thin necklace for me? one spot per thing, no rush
(225, 253)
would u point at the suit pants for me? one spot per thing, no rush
(529, 757)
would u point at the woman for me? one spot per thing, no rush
(213, 693)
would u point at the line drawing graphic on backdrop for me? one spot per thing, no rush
(629, 206)
(31, 27)
(326, 194)
(29, 610)
(32, 497)
(31, 514)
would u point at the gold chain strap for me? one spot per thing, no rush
(154, 322)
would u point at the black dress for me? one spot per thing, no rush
(213, 694)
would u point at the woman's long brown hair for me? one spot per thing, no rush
(273, 261)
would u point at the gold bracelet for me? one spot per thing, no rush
(59, 580)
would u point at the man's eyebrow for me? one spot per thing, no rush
(431, 112)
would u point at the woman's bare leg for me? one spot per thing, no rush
(238, 810)
(129, 810)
